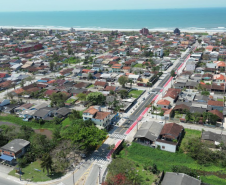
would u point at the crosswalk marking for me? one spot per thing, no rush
(117, 136)
(99, 160)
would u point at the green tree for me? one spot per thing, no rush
(96, 98)
(56, 121)
(123, 80)
(84, 134)
(51, 65)
(81, 96)
(58, 99)
(172, 73)
(123, 93)
(46, 163)
(75, 115)
(131, 83)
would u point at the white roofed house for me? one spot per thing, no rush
(136, 51)
(16, 67)
(134, 77)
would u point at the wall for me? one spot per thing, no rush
(168, 147)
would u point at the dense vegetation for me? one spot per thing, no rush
(77, 137)
(194, 158)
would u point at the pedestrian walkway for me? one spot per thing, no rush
(99, 160)
(117, 136)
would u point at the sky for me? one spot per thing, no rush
(71, 5)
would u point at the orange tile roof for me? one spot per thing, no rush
(219, 77)
(19, 91)
(163, 102)
(91, 110)
(102, 115)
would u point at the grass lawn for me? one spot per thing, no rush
(67, 121)
(177, 115)
(213, 180)
(18, 121)
(29, 172)
(218, 99)
(135, 93)
(70, 100)
(189, 134)
(165, 160)
(90, 86)
(138, 65)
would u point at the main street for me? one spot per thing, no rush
(99, 157)
(87, 172)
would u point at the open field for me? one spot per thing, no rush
(135, 93)
(34, 171)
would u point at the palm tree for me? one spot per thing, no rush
(46, 163)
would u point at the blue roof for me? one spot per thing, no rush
(6, 157)
(42, 81)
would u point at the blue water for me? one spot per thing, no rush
(203, 19)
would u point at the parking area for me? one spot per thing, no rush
(5, 169)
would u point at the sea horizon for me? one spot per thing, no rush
(186, 19)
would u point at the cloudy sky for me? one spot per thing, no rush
(70, 5)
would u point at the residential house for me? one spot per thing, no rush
(3, 103)
(14, 149)
(148, 133)
(213, 138)
(218, 78)
(164, 104)
(215, 105)
(100, 85)
(170, 137)
(190, 65)
(117, 68)
(171, 178)
(62, 112)
(5, 85)
(10, 108)
(44, 113)
(66, 72)
(100, 118)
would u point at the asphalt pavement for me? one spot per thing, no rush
(4, 181)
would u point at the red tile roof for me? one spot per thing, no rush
(163, 102)
(216, 103)
(171, 130)
(100, 83)
(173, 93)
(102, 115)
(218, 113)
(91, 110)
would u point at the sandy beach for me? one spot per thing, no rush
(200, 30)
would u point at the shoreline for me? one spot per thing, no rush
(60, 28)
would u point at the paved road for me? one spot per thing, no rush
(92, 178)
(132, 118)
(4, 181)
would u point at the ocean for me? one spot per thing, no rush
(206, 19)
